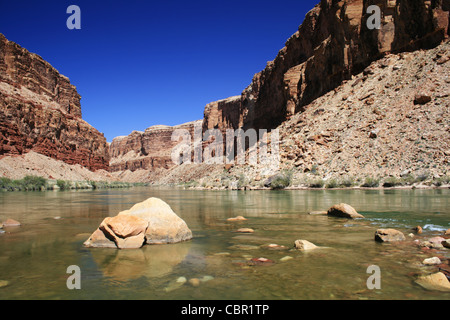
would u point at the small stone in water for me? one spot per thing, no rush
(286, 258)
(181, 280)
(194, 282)
(206, 278)
(3, 283)
(432, 261)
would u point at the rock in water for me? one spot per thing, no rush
(164, 226)
(344, 210)
(148, 222)
(436, 282)
(432, 261)
(389, 235)
(304, 245)
(11, 223)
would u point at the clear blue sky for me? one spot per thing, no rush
(143, 63)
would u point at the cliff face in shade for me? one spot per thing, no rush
(148, 150)
(40, 111)
(331, 46)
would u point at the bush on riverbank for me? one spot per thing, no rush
(33, 183)
(29, 183)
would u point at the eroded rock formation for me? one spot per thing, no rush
(40, 111)
(148, 150)
(331, 45)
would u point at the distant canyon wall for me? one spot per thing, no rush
(148, 150)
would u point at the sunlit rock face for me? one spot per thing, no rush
(40, 111)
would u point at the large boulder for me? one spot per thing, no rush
(164, 226)
(148, 222)
(344, 210)
(389, 235)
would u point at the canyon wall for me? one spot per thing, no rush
(40, 111)
(148, 150)
(332, 44)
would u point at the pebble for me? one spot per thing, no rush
(181, 280)
(287, 258)
(245, 230)
(195, 282)
(3, 283)
(207, 278)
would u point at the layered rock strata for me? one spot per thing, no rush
(148, 150)
(333, 44)
(40, 111)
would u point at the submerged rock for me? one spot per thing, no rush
(245, 230)
(389, 235)
(11, 223)
(318, 213)
(344, 210)
(436, 282)
(238, 218)
(148, 222)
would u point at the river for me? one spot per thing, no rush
(34, 257)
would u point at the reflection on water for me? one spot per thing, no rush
(150, 261)
(34, 258)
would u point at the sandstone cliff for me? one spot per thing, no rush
(40, 111)
(148, 150)
(332, 44)
(332, 47)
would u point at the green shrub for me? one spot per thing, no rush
(331, 184)
(31, 183)
(63, 185)
(392, 182)
(347, 182)
(370, 182)
(441, 181)
(282, 180)
(319, 183)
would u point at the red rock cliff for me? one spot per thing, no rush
(148, 150)
(40, 110)
(333, 44)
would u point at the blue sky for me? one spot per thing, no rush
(143, 63)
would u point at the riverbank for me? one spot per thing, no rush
(288, 181)
(34, 183)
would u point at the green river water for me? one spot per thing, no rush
(34, 257)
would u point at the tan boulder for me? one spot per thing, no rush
(134, 239)
(436, 282)
(164, 226)
(389, 235)
(304, 245)
(447, 233)
(418, 230)
(344, 210)
(99, 240)
(125, 226)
